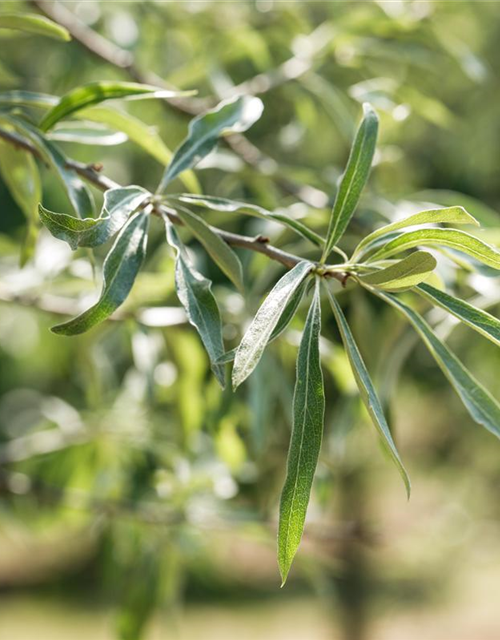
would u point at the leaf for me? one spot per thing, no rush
(354, 178)
(118, 204)
(458, 240)
(120, 269)
(483, 408)
(33, 23)
(87, 133)
(78, 193)
(404, 274)
(195, 295)
(285, 319)
(450, 214)
(96, 92)
(366, 388)
(305, 444)
(145, 137)
(258, 333)
(21, 177)
(230, 116)
(220, 251)
(21, 98)
(233, 206)
(477, 319)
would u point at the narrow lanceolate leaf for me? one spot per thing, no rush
(366, 388)
(354, 178)
(194, 292)
(283, 322)
(145, 137)
(120, 269)
(233, 206)
(230, 116)
(118, 204)
(452, 238)
(33, 23)
(307, 431)
(87, 133)
(258, 333)
(20, 98)
(78, 193)
(406, 273)
(481, 405)
(477, 319)
(456, 215)
(220, 252)
(96, 92)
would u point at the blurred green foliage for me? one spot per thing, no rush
(127, 476)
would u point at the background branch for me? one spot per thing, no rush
(107, 51)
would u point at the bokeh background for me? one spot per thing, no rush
(137, 500)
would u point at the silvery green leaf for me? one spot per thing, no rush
(354, 178)
(118, 204)
(87, 133)
(96, 92)
(481, 405)
(233, 206)
(305, 444)
(285, 319)
(219, 251)
(120, 269)
(452, 238)
(20, 98)
(404, 274)
(366, 388)
(195, 295)
(230, 116)
(431, 216)
(258, 333)
(477, 319)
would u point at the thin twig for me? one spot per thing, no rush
(90, 173)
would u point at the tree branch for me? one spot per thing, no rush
(92, 173)
(110, 53)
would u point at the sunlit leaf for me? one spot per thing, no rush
(432, 216)
(20, 98)
(120, 269)
(354, 178)
(118, 204)
(305, 444)
(477, 319)
(96, 92)
(194, 292)
(32, 23)
(87, 133)
(267, 317)
(20, 175)
(366, 388)
(481, 405)
(404, 274)
(220, 252)
(230, 116)
(452, 238)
